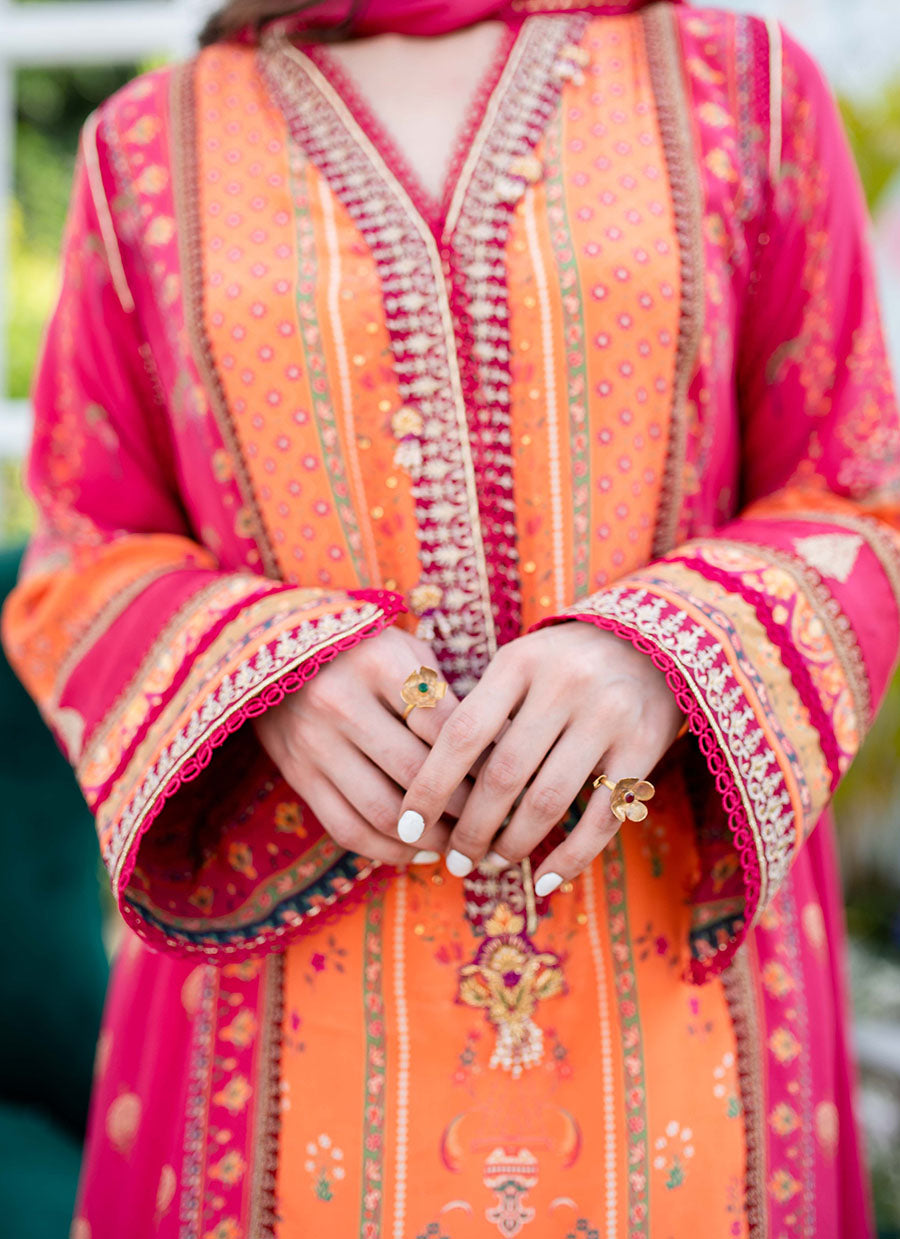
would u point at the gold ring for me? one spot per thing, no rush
(627, 796)
(422, 688)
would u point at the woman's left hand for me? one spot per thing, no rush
(559, 705)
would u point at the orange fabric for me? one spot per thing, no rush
(602, 233)
(388, 1072)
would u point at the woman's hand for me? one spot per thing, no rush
(559, 705)
(340, 743)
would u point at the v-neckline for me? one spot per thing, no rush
(433, 210)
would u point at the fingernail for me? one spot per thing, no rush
(458, 864)
(425, 858)
(494, 860)
(546, 884)
(411, 826)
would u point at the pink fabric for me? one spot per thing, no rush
(434, 17)
(797, 949)
(813, 417)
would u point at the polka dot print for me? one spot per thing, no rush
(609, 259)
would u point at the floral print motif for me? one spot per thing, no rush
(325, 1163)
(507, 979)
(673, 1152)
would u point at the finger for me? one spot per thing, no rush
(550, 795)
(501, 780)
(471, 727)
(596, 827)
(393, 747)
(372, 794)
(347, 827)
(426, 721)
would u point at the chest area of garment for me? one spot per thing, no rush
(482, 406)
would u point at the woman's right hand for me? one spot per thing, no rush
(342, 746)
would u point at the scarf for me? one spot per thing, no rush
(435, 17)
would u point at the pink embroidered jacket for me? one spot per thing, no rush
(630, 370)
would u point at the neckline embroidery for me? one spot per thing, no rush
(433, 209)
(446, 308)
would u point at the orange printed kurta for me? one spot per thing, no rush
(628, 372)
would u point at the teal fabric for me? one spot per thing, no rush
(54, 966)
(39, 1161)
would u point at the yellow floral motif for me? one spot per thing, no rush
(289, 819)
(143, 131)
(504, 921)
(783, 1186)
(240, 857)
(777, 979)
(222, 466)
(241, 1030)
(714, 114)
(704, 72)
(160, 230)
(235, 1095)
(243, 523)
(229, 1228)
(507, 979)
(784, 1045)
(784, 1119)
(720, 165)
(246, 970)
(202, 898)
(230, 1168)
(153, 179)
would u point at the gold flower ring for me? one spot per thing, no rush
(422, 688)
(627, 795)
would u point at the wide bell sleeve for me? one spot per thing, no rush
(146, 657)
(778, 631)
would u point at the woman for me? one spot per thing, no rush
(572, 429)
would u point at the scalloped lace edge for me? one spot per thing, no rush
(698, 970)
(790, 657)
(345, 897)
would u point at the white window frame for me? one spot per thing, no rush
(97, 32)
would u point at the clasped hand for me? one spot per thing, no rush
(485, 777)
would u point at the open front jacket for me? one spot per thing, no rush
(629, 370)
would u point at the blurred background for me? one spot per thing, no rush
(59, 59)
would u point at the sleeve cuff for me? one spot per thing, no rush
(236, 875)
(737, 867)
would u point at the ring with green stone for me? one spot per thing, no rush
(422, 688)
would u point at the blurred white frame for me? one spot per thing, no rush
(101, 32)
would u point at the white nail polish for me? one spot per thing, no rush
(458, 864)
(546, 884)
(411, 826)
(425, 858)
(495, 862)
